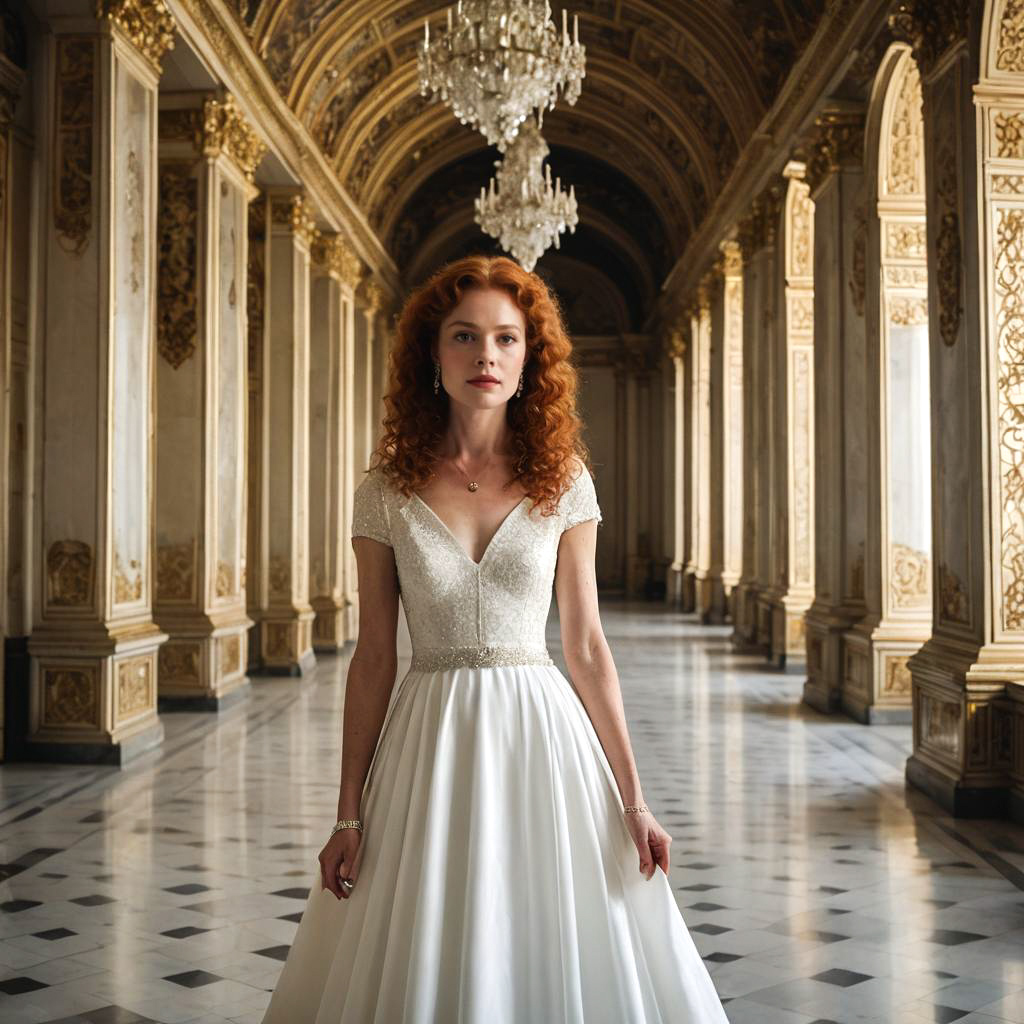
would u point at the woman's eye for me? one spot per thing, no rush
(463, 334)
(509, 337)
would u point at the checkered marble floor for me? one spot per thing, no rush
(817, 886)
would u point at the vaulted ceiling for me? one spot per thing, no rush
(673, 91)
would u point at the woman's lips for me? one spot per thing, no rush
(484, 383)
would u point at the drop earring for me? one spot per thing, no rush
(437, 377)
(519, 391)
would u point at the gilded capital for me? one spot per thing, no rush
(148, 24)
(675, 342)
(370, 295)
(225, 130)
(732, 258)
(838, 142)
(294, 212)
(930, 27)
(334, 254)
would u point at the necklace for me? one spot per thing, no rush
(472, 485)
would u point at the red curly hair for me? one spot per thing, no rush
(546, 429)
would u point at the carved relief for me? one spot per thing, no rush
(910, 579)
(134, 687)
(278, 639)
(280, 576)
(177, 323)
(905, 241)
(127, 581)
(940, 725)
(907, 311)
(1009, 129)
(71, 696)
(148, 24)
(839, 141)
(334, 254)
(802, 497)
(1011, 37)
(134, 215)
(947, 249)
(1008, 184)
(801, 229)
(179, 662)
(859, 263)
(1009, 286)
(907, 277)
(69, 573)
(225, 579)
(230, 655)
(906, 153)
(952, 597)
(175, 571)
(72, 201)
(897, 681)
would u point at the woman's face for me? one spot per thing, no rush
(483, 336)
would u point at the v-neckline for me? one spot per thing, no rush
(451, 536)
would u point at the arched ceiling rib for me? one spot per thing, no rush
(673, 93)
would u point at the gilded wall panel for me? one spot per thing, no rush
(135, 691)
(73, 162)
(71, 696)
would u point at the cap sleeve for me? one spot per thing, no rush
(579, 503)
(369, 513)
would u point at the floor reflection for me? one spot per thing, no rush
(816, 885)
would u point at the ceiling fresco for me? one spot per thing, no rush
(672, 94)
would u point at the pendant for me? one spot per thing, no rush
(473, 485)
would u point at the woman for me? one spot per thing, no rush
(490, 819)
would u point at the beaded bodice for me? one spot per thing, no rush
(461, 612)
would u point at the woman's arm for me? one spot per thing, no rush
(372, 670)
(588, 657)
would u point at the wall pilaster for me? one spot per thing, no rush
(208, 156)
(968, 712)
(836, 177)
(793, 437)
(94, 643)
(284, 613)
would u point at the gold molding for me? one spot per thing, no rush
(333, 252)
(294, 212)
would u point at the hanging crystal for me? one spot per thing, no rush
(522, 207)
(499, 60)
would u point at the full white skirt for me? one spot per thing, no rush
(498, 881)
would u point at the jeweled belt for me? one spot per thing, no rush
(436, 659)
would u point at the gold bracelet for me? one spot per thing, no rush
(635, 809)
(347, 823)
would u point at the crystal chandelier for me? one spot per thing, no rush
(521, 207)
(498, 61)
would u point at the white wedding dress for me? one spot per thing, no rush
(498, 882)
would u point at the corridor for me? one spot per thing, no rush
(816, 884)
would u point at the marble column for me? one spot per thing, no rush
(369, 297)
(208, 156)
(15, 452)
(793, 436)
(635, 382)
(330, 418)
(707, 574)
(743, 601)
(766, 534)
(897, 578)
(967, 699)
(284, 614)
(689, 582)
(94, 643)
(731, 419)
(836, 176)
(710, 583)
(675, 347)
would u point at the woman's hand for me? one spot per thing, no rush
(338, 861)
(652, 842)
